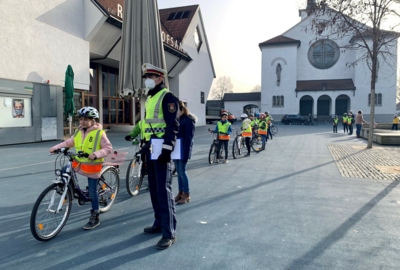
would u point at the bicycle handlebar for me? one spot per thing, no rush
(66, 152)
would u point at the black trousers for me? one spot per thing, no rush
(334, 128)
(225, 143)
(345, 128)
(247, 141)
(350, 129)
(162, 199)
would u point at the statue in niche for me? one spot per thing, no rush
(278, 74)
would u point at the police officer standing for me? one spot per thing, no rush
(161, 121)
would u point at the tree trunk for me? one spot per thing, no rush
(374, 61)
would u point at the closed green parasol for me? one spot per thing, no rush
(69, 106)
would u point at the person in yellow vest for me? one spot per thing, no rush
(162, 122)
(254, 124)
(263, 129)
(246, 132)
(395, 122)
(335, 123)
(224, 130)
(350, 122)
(344, 123)
(89, 138)
(269, 120)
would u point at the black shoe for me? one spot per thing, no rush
(247, 155)
(152, 230)
(165, 243)
(94, 220)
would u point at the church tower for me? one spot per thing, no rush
(310, 5)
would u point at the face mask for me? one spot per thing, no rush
(18, 112)
(149, 83)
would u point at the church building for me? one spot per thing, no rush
(304, 73)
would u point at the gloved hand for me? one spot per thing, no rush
(128, 138)
(165, 156)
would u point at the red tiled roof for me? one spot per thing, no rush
(279, 40)
(177, 28)
(325, 85)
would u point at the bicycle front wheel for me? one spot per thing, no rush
(235, 148)
(134, 177)
(45, 222)
(107, 188)
(315, 123)
(274, 130)
(211, 154)
(256, 144)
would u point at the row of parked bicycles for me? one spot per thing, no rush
(238, 146)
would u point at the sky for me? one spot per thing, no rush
(234, 28)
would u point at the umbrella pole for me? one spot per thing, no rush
(70, 125)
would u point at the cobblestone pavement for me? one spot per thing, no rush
(380, 162)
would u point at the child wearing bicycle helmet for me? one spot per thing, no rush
(223, 128)
(263, 129)
(246, 132)
(91, 139)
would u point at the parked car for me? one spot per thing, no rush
(293, 119)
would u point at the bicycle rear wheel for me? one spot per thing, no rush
(107, 188)
(134, 177)
(45, 223)
(274, 130)
(235, 148)
(256, 144)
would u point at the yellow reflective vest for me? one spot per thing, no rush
(154, 120)
(223, 128)
(90, 144)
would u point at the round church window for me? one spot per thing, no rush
(323, 54)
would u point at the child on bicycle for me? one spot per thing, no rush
(223, 128)
(246, 132)
(89, 138)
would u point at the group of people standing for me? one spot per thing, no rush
(251, 126)
(348, 121)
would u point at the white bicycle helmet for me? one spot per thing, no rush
(243, 116)
(88, 112)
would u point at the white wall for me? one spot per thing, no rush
(198, 76)
(45, 37)
(236, 107)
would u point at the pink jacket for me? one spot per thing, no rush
(106, 147)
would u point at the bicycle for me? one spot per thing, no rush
(136, 172)
(212, 155)
(238, 144)
(313, 122)
(256, 142)
(274, 129)
(53, 206)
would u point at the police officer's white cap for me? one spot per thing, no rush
(151, 69)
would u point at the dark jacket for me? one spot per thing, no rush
(186, 133)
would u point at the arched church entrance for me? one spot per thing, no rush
(324, 106)
(342, 104)
(306, 105)
(251, 108)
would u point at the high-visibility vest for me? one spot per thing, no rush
(90, 144)
(349, 119)
(262, 131)
(223, 128)
(335, 120)
(344, 119)
(247, 131)
(396, 120)
(154, 120)
(268, 119)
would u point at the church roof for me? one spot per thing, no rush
(325, 85)
(279, 40)
(251, 96)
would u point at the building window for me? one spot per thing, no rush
(278, 101)
(323, 54)
(202, 97)
(197, 38)
(378, 99)
(178, 15)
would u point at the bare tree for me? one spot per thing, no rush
(256, 88)
(223, 85)
(398, 89)
(362, 22)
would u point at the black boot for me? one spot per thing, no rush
(94, 220)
